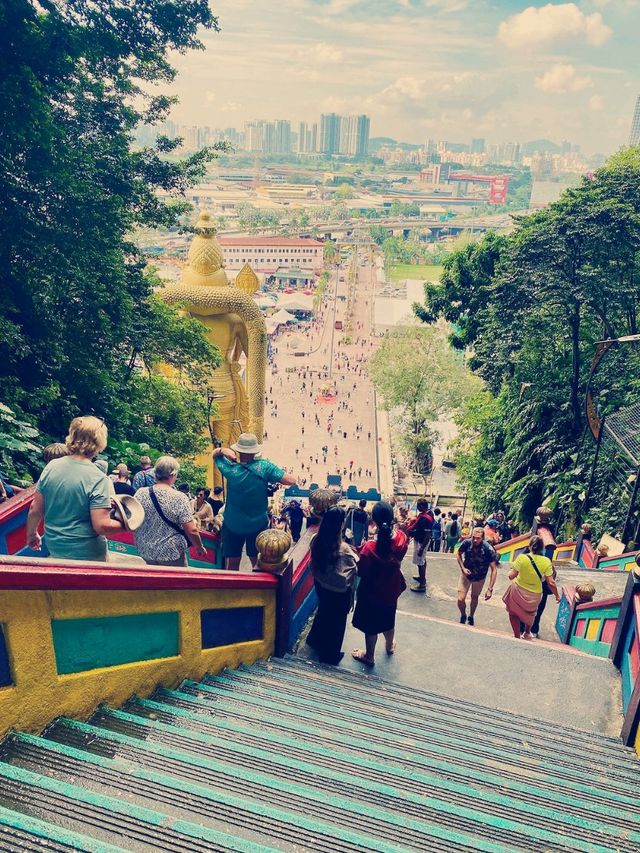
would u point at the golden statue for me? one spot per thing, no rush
(235, 325)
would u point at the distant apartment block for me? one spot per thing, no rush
(634, 136)
(268, 254)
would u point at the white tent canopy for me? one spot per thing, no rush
(296, 303)
(265, 301)
(282, 316)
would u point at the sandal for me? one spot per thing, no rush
(391, 650)
(419, 588)
(361, 657)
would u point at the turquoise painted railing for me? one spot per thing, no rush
(625, 654)
(590, 626)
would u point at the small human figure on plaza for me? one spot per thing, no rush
(420, 529)
(381, 584)
(475, 558)
(295, 516)
(357, 522)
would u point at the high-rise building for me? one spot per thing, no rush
(634, 136)
(253, 135)
(282, 136)
(329, 133)
(477, 146)
(354, 135)
(312, 138)
(302, 137)
(362, 137)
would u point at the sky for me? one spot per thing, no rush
(441, 69)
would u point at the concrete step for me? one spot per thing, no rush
(290, 756)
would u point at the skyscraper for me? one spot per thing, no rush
(302, 137)
(329, 133)
(362, 139)
(634, 136)
(477, 146)
(282, 136)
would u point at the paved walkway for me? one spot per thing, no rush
(485, 664)
(298, 421)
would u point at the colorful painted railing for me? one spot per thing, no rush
(13, 536)
(590, 626)
(75, 634)
(512, 548)
(625, 654)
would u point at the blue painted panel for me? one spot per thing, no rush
(226, 626)
(5, 666)
(625, 668)
(301, 615)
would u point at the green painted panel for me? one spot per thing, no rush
(83, 644)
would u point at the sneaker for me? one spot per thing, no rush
(470, 621)
(463, 619)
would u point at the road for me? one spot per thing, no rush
(299, 419)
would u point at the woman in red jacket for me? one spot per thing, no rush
(381, 584)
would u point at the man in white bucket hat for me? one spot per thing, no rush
(248, 479)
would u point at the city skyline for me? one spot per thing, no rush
(422, 68)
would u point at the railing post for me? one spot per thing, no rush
(283, 611)
(273, 556)
(626, 613)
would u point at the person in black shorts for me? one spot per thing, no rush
(475, 558)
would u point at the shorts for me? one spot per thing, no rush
(232, 542)
(476, 586)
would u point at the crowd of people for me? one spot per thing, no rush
(356, 559)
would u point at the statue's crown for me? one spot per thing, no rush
(205, 257)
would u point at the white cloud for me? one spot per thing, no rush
(562, 78)
(553, 22)
(596, 103)
(327, 54)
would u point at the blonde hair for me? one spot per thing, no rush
(87, 436)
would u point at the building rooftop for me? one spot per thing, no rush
(269, 241)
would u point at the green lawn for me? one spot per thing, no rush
(428, 272)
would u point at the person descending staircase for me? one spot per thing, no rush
(288, 755)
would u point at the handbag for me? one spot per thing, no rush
(158, 508)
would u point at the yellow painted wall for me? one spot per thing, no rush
(39, 694)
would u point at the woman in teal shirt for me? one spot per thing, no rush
(73, 497)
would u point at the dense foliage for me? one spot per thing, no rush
(529, 308)
(420, 378)
(79, 326)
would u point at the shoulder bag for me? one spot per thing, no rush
(158, 508)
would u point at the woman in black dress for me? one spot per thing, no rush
(333, 564)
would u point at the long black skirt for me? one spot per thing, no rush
(374, 620)
(327, 632)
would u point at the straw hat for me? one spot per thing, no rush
(247, 443)
(129, 511)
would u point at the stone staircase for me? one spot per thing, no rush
(288, 755)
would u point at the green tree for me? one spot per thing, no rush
(77, 79)
(529, 309)
(420, 378)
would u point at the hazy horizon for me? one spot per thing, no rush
(445, 69)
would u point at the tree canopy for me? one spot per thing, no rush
(529, 309)
(420, 378)
(78, 321)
